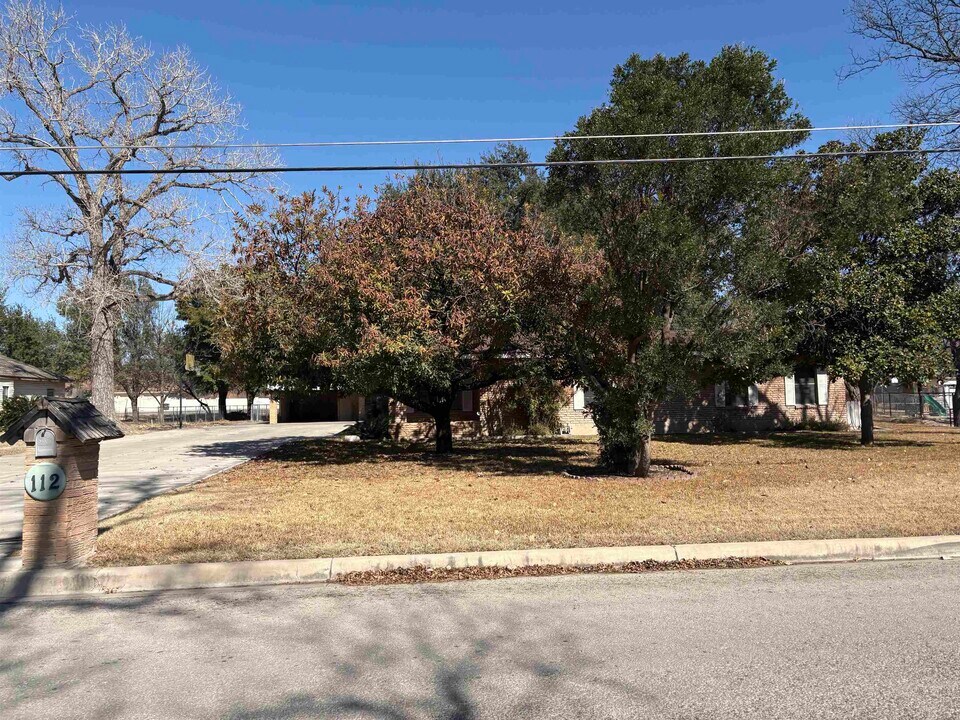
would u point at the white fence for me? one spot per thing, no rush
(193, 410)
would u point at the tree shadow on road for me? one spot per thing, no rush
(317, 652)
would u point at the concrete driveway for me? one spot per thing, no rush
(137, 467)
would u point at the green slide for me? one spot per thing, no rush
(936, 407)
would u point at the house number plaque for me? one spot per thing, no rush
(45, 481)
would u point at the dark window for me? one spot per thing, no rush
(805, 383)
(49, 392)
(736, 395)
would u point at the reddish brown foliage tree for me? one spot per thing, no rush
(424, 295)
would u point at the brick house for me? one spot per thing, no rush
(805, 396)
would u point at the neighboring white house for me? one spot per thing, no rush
(18, 378)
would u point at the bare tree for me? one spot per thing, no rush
(922, 39)
(77, 99)
(165, 359)
(133, 350)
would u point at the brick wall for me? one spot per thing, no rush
(702, 414)
(64, 531)
(409, 424)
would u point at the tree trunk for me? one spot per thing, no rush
(102, 331)
(134, 408)
(956, 402)
(251, 398)
(441, 417)
(866, 413)
(638, 461)
(222, 390)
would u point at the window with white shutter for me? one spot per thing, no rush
(790, 390)
(823, 388)
(579, 401)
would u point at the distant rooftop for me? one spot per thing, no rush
(75, 416)
(10, 368)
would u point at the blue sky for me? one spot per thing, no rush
(372, 70)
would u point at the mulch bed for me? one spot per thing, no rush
(421, 574)
(659, 471)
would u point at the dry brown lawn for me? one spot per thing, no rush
(330, 498)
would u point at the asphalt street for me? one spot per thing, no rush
(868, 640)
(137, 467)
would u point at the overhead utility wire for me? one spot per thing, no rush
(467, 166)
(464, 141)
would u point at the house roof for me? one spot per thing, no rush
(74, 416)
(10, 368)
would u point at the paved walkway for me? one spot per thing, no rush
(137, 467)
(868, 640)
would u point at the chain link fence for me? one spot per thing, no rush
(193, 412)
(914, 403)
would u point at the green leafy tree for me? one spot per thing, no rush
(694, 261)
(27, 338)
(43, 343)
(202, 322)
(518, 190)
(882, 267)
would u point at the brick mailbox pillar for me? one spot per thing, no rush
(63, 437)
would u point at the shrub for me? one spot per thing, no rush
(376, 419)
(12, 409)
(532, 405)
(820, 425)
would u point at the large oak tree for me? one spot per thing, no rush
(76, 99)
(695, 253)
(883, 267)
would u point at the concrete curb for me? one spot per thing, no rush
(153, 578)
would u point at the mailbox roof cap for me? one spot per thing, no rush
(74, 416)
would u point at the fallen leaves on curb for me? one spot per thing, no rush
(422, 574)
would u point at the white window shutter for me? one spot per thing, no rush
(720, 394)
(753, 395)
(466, 401)
(578, 399)
(823, 388)
(790, 390)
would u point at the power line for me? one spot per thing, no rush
(467, 166)
(465, 141)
